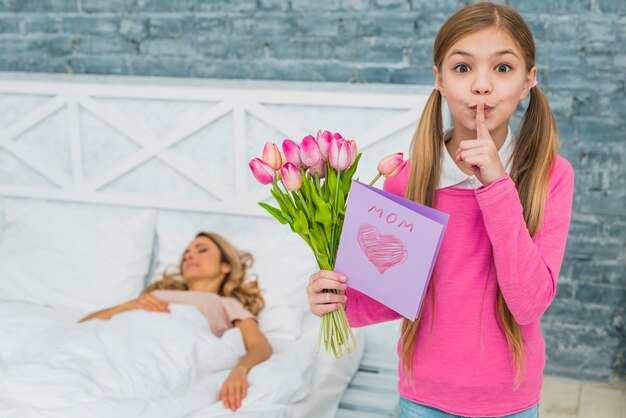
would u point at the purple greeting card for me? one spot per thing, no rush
(389, 246)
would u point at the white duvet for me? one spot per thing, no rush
(138, 364)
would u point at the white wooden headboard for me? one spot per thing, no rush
(179, 144)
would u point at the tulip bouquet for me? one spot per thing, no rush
(316, 176)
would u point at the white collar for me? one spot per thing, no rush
(452, 175)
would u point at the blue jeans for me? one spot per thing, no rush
(410, 409)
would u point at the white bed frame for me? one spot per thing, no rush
(49, 138)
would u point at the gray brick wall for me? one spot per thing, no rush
(582, 67)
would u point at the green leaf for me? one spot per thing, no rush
(276, 213)
(347, 178)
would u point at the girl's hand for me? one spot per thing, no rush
(320, 302)
(149, 302)
(481, 154)
(234, 389)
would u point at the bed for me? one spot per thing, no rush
(104, 180)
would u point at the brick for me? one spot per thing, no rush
(101, 64)
(393, 4)
(134, 29)
(601, 294)
(611, 6)
(239, 6)
(273, 5)
(161, 66)
(92, 45)
(167, 46)
(271, 26)
(222, 69)
(553, 6)
(579, 313)
(412, 75)
(565, 290)
(315, 6)
(59, 45)
(160, 6)
(36, 24)
(377, 51)
(90, 24)
(39, 6)
(110, 6)
(9, 25)
(598, 273)
(373, 74)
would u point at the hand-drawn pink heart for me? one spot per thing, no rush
(383, 250)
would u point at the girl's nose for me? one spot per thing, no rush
(482, 85)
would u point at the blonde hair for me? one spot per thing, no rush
(236, 283)
(536, 148)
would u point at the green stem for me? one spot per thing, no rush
(375, 179)
(334, 230)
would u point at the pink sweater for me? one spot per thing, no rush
(465, 366)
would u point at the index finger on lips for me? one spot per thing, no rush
(481, 127)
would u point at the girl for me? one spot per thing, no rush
(213, 280)
(475, 348)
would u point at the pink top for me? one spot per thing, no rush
(220, 311)
(465, 366)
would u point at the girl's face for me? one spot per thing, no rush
(488, 67)
(202, 260)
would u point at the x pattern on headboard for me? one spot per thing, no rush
(63, 155)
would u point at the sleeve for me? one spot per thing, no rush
(528, 268)
(235, 310)
(361, 309)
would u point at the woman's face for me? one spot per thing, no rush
(202, 261)
(483, 67)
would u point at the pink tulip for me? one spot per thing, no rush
(309, 151)
(337, 135)
(339, 154)
(323, 140)
(319, 169)
(353, 151)
(397, 170)
(262, 172)
(292, 152)
(271, 155)
(292, 179)
(391, 165)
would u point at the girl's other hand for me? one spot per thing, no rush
(149, 302)
(234, 389)
(321, 302)
(481, 154)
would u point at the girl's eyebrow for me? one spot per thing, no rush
(495, 54)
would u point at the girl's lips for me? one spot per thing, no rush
(487, 108)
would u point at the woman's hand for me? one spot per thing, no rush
(149, 302)
(321, 302)
(481, 154)
(234, 389)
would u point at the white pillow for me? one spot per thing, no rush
(78, 257)
(281, 322)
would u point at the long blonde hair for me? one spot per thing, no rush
(536, 148)
(236, 284)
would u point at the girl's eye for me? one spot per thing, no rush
(503, 68)
(461, 68)
(203, 250)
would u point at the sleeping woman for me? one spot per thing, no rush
(213, 278)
